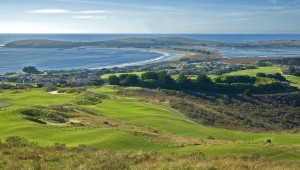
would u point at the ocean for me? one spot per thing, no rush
(14, 59)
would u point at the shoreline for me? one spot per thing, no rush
(158, 59)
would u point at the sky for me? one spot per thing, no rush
(150, 16)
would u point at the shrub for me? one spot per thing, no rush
(247, 92)
(113, 80)
(17, 141)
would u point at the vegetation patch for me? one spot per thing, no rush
(271, 112)
(50, 114)
(90, 98)
(18, 153)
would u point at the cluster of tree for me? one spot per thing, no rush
(31, 70)
(236, 79)
(223, 84)
(282, 61)
(294, 71)
(276, 76)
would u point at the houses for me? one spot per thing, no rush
(75, 78)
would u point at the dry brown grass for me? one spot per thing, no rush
(18, 153)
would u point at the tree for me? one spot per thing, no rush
(123, 76)
(203, 82)
(31, 70)
(261, 75)
(113, 80)
(149, 75)
(279, 77)
(247, 92)
(183, 82)
(165, 80)
(132, 80)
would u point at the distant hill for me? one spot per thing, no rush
(35, 43)
(119, 43)
(148, 43)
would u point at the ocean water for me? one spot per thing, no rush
(15, 59)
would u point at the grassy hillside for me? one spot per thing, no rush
(125, 124)
(259, 113)
(121, 108)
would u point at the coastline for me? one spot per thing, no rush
(172, 56)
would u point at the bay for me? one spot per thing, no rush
(14, 59)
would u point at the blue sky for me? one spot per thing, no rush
(150, 16)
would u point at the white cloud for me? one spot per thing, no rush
(90, 17)
(49, 11)
(92, 12)
(64, 11)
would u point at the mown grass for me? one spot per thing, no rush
(141, 126)
(295, 81)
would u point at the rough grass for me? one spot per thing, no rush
(18, 153)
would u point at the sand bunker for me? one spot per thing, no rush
(55, 92)
(3, 104)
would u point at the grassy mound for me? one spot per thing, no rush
(51, 114)
(89, 98)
